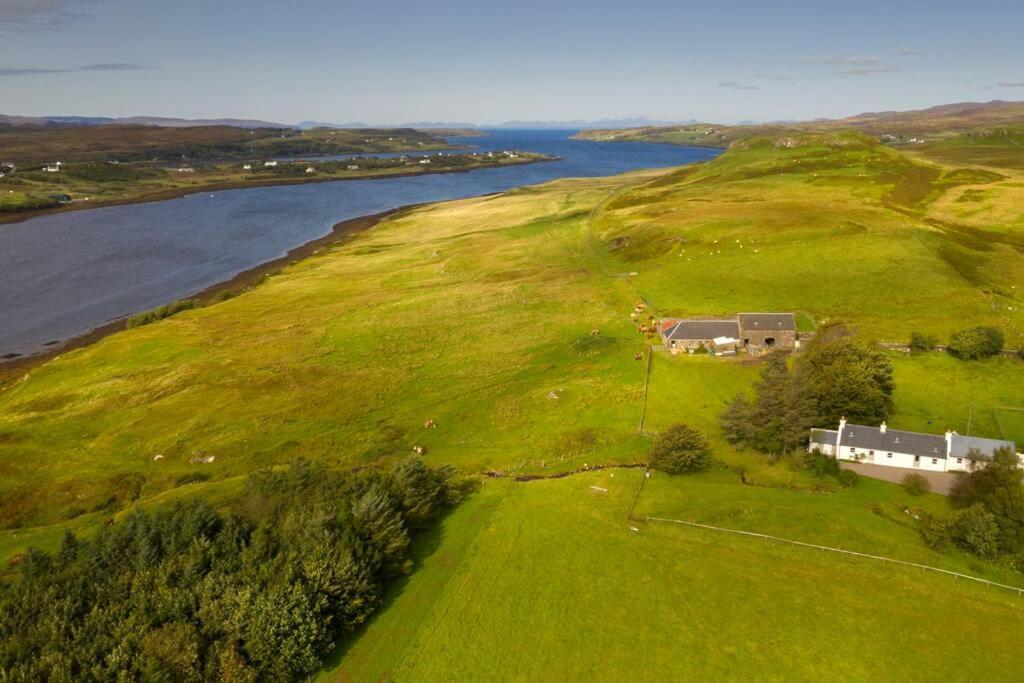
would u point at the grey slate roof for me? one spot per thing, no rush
(963, 444)
(894, 441)
(825, 437)
(703, 329)
(767, 321)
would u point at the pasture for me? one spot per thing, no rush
(504, 321)
(546, 580)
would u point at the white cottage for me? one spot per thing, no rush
(911, 450)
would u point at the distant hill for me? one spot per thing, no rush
(953, 118)
(934, 123)
(636, 122)
(167, 122)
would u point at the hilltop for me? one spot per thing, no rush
(932, 125)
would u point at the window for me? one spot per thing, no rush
(959, 461)
(889, 455)
(871, 452)
(852, 451)
(935, 461)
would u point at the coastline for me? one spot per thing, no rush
(179, 192)
(12, 368)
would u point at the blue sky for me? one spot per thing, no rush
(397, 61)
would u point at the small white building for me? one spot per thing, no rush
(352, 167)
(246, 167)
(910, 450)
(52, 168)
(270, 163)
(424, 161)
(186, 169)
(310, 169)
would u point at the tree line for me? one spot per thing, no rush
(262, 589)
(837, 375)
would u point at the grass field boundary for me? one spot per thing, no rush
(1019, 591)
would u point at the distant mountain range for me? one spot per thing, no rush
(14, 120)
(164, 121)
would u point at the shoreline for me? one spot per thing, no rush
(179, 192)
(12, 368)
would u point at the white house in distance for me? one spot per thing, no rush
(909, 450)
(270, 163)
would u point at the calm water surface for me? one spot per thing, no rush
(64, 274)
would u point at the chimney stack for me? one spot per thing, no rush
(881, 428)
(949, 442)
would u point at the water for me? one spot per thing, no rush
(64, 274)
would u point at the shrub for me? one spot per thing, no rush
(937, 532)
(848, 478)
(159, 313)
(920, 343)
(680, 449)
(820, 465)
(191, 478)
(976, 530)
(976, 342)
(915, 484)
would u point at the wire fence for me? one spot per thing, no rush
(957, 575)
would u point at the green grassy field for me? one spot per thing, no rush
(1000, 147)
(34, 145)
(546, 581)
(505, 320)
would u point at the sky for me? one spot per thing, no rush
(483, 62)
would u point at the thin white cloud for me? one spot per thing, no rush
(774, 77)
(733, 85)
(41, 15)
(906, 50)
(840, 61)
(1011, 84)
(868, 70)
(37, 71)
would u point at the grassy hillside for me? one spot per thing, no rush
(996, 147)
(505, 320)
(30, 145)
(91, 184)
(547, 581)
(935, 123)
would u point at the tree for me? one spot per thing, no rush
(680, 449)
(921, 343)
(974, 343)
(975, 530)
(843, 376)
(736, 421)
(836, 376)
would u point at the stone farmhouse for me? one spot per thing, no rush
(908, 450)
(755, 333)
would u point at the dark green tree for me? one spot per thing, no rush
(680, 449)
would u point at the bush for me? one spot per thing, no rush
(974, 343)
(916, 484)
(191, 478)
(976, 530)
(680, 449)
(921, 343)
(159, 313)
(848, 478)
(820, 465)
(937, 532)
